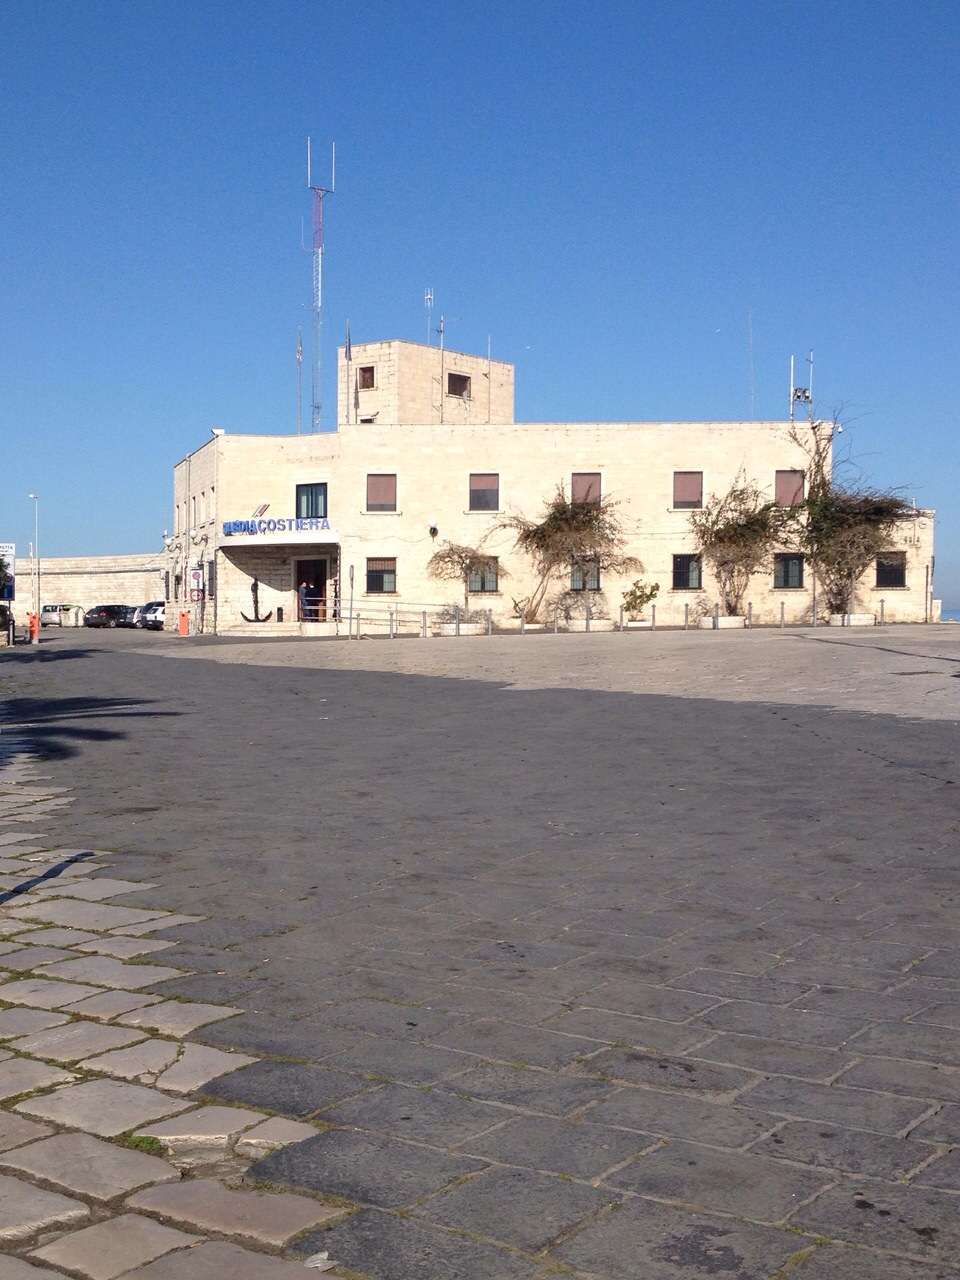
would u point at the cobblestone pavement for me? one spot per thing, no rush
(450, 976)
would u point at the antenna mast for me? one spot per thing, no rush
(428, 305)
(801, 395)
(317, 252)
(299, 382)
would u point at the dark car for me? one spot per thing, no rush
(105, 615)
(129, 616)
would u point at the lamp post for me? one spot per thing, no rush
(35, 497)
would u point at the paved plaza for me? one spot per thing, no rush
(613, 957)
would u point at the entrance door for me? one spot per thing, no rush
(314, 574)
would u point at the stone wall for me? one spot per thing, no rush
(90, 580)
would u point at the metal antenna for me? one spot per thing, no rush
(801, 395)
(299, 382)
(317, 252)
(428, 304)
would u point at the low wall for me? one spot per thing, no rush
(90, 580)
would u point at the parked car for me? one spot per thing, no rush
(105, 615)
(154, 616)
(141, 616)
(129, 616)
(61, 615)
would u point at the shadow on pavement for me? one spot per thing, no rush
(42, 725)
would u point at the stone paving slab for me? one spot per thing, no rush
(836, 1104)
(207, 1126)
(291, 1088)
(19, 1269)
(558, 1146)
(17, 1131)
(96, 890)
(21, 1075)
(25, 1210)
(112, 1248)
(42, 993)
(21, 1022)
(847, 1150)
(432, 1116)
(177, 1017)
(218, 1261)
(835, 1262)
(265, 1218)
(74, 1041)
(52, 936)
(107, 972)
(88, 1166)
(24, 959)
(916, 1221)
(271, 1134)
(170, 1064)
(123, 948)
(104, 1107)
(108, 1004)
(159, 920)
(85, 915)
(374, 1243)
(361, 1166)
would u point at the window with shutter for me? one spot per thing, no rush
(585, 486)
(892, 569)
(381, 493)
(789, 488)
(484, 491)
(585, 575)
(381, 576)
(687, 573)
(787, 572)
(688, 489)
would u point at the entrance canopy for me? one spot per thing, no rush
(277, 531)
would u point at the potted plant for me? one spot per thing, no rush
(470, 622)
(735, 534)
(576, 608)
(568, 532)
(636, 599)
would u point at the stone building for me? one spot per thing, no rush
(86, 581)
(427, 451)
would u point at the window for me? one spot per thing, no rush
(381, 576)
(585, 575)
(687, 573)
(211, 579)
(193, 512)
(892, 569)
(166, 582)
(381, 493)
(787, 572)
(484, 577)
(367, 377)
(311, 500)
(585, 486)
(688, 489)
(789, 488)
(484, 491)
(458, 384)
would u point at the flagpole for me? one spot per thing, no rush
(299, 383)
(348, 352)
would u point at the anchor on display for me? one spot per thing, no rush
(255, 592)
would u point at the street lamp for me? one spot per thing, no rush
(36, 562)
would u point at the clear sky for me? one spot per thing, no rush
(606, 189)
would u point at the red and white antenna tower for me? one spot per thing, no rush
(317, 251)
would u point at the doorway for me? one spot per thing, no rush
(314, 573)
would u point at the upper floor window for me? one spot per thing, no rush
(787, 572)
(585, 575)
(688, 489)
(484, 577)
(458, 384)
(788, 488)
(381, 576)
(311, 500)
(892, 569)
(484, 491)
(687, 573)
(193, 512)
(585, 486)
(367, 377)
(381, 493)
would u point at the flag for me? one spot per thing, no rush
(299, 348)
(348, 348)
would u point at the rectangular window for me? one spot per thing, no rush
(787, 572)
(458, 384)
(789, 488)
(311, 500)
(585, 486)
(367, 377)
(381, 576)
(484, 578)
(484, 491)
(211, 579)
(688, 489)
(193, 512)
(892, 569)
(166, 584)
(585, 575)
(381, 493)
(687, 573)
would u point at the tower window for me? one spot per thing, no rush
(367, 377)
(458, 384)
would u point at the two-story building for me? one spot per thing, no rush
(426, 452)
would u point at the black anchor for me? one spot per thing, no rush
(255, 592)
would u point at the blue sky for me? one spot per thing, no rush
(607, 190)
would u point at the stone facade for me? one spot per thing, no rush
(253, 478)
(90, 580)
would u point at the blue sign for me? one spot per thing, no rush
(288, 524)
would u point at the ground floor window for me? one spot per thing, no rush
(892, 569)
(585, 575)
(484, 577)
(311, 501)
(787, 571)
(381, 576)
(687, 573)
(211, 579)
